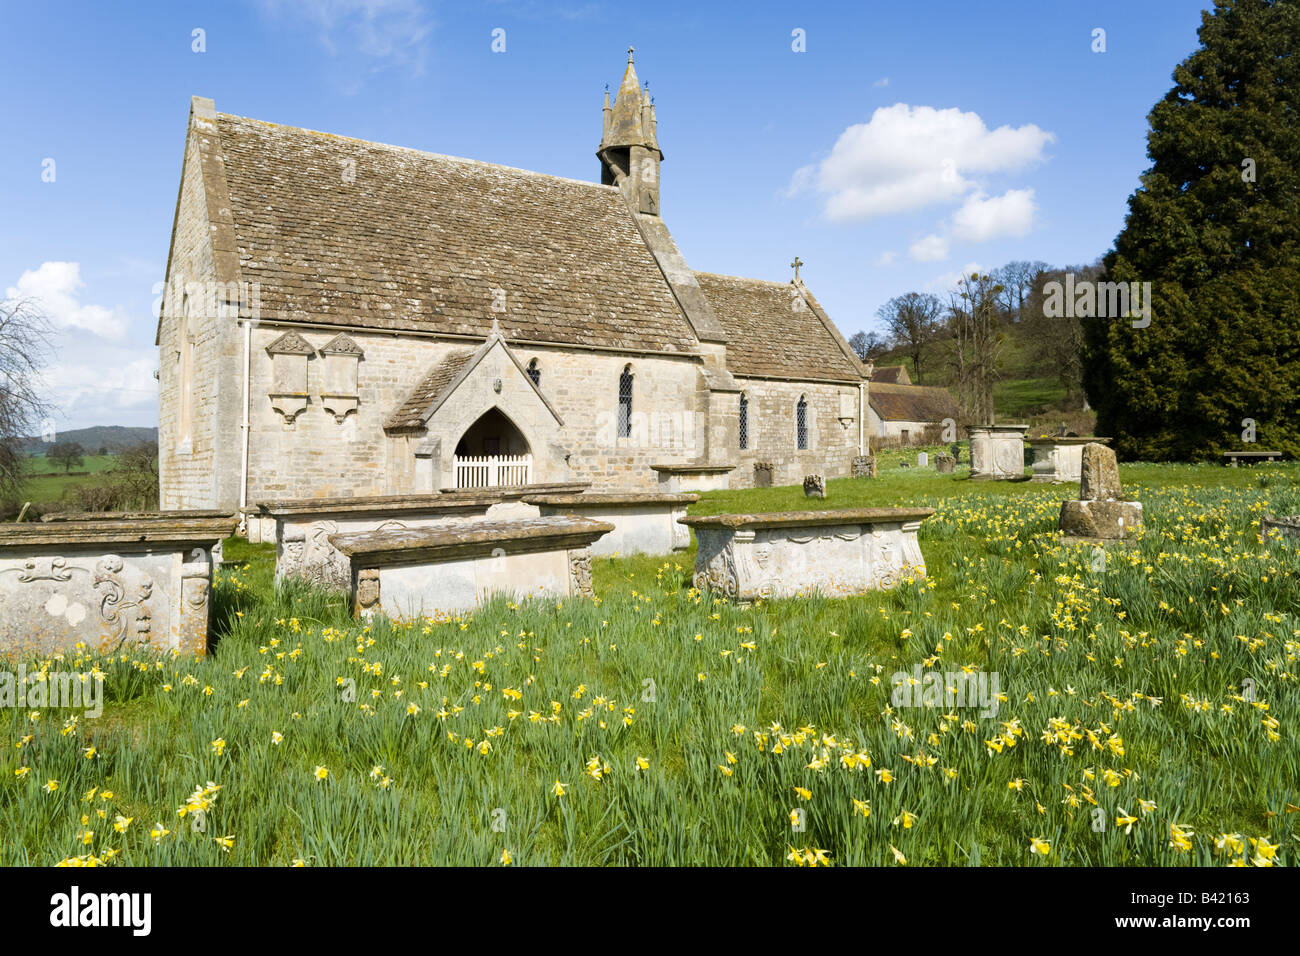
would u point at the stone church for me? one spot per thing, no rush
(345, 318)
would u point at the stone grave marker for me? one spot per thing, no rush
(1100, 515)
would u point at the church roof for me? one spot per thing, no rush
(911, 403)
(891, 375)
(410, 414)
(775, 330)
(380, 237)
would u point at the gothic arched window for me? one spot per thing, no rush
(744, 421)
(535, 373)
(625, 403)
(801, 423)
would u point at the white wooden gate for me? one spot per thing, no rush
(492, 471)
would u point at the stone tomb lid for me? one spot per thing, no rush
(132, 515)
(119, 534)
(468, 539)
(795, 519)
(694, 467)
(1066, 440)
(515, 492)
(596, 498)
(380, 503)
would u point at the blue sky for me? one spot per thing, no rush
(905, 143)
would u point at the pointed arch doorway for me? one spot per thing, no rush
(493, 453)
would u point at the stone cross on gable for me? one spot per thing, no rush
(795, 265)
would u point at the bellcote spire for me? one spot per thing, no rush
(629, 142)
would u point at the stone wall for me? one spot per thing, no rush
(772, 436)
(883, 433)
(188, 458)
(315, 455)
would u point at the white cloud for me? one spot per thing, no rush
(886, 258)
(116, 387)
(948, 281)
(980, 219)
(56, 286)
(929, 249)
(909, 157)
(101, 362)
(883, 81)
(393, 30)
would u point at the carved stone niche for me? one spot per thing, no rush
(289, 355)
(338, 392)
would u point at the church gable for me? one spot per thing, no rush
(490, 375)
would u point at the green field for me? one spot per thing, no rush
(1149, 712)
(47, 480)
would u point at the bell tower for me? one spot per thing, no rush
(629, 144)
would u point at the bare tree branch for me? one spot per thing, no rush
(26, 338)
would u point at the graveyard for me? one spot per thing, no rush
(1142, 711)
(400, 465)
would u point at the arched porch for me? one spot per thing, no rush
(492, 453)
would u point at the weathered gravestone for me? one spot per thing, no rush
(997, 452)
(763, 474)
(1059, 458)
(944, 464)
(835, 553)
(864, 466)
(112, 584)
(922, 459)
(1100, 515)
(814, 486)
(453, 567)
(645, 522)
(301, 528)
(1274, 526)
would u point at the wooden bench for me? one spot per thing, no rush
(785, 554)
(455, 566)
(644, 522)
(112, 583)
(1232, 457)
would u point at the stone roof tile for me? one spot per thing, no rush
(768, 336)
(912, 403)
(410, 414)
(373, 236)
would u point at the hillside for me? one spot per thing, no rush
(114, 439)
(1023, 393)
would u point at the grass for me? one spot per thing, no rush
(1155, 682)
(47, 481)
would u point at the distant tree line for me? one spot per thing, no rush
(963, 336)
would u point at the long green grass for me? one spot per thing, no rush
(1150, 710)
